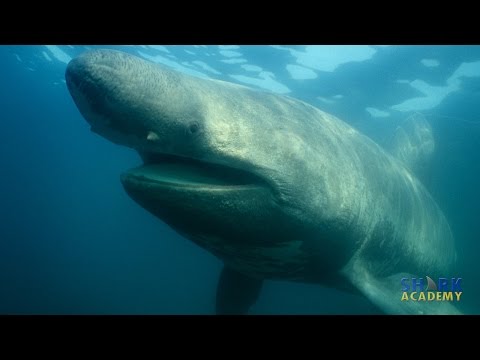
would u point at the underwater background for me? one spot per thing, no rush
(73, 242)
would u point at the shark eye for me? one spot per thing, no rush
(194, 127)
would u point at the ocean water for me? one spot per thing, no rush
(73, 242)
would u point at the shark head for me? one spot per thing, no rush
(216, 157)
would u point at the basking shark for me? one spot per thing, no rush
(274, 187)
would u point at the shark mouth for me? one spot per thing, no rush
(164, 170)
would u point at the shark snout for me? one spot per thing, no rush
(106, 94)
(92, 76)
(135, 103)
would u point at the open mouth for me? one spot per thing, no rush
(165, 170)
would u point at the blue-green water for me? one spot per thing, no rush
(72, 241)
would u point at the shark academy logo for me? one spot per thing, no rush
(425, 289)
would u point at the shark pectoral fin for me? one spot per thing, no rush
(236, 292)
(386, 293)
